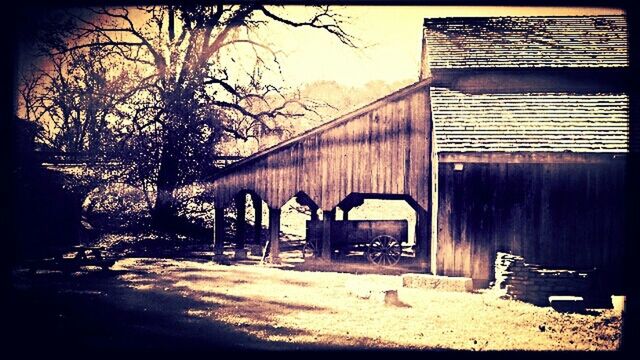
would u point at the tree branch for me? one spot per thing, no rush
(318, 22)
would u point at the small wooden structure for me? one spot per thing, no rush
(514, 139)
(379, 151)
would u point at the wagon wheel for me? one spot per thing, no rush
(384, 250)
(310, 249)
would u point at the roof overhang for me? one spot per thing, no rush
(525, 80)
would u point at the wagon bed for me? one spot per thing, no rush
(381, 240)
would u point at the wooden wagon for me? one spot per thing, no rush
(381, 241)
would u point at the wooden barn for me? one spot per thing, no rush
(514, 139)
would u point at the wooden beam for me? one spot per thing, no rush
(314, 213)
(327, 219)
(352, 201)
(304, 200)
(345, 213)
(257, 205)
(521, 157)
(241, 231)
(274, 236)
(240, 220)
(218, 232)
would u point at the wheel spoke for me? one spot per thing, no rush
(310, 249)
(384, 250)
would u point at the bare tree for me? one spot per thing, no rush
(72, 97)
(190, 88)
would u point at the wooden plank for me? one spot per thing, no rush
(324, 166)
(389, 158)
(275, 164)
(424, 113)
(367, 163)
(271, 190)
(478, 240)
(350, 150)
(457, 214)
(375, 152)
(497, 208)
(298, 167)
(397, 173)
(342, 161)
(406, 147)
(466, 202)
(311, 155)
(335, 175)
(445, 222)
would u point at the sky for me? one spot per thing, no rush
(390, 39)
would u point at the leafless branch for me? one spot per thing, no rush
(324, 19)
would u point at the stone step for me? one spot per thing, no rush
(379, 293)
(436, 282)
(567, 303)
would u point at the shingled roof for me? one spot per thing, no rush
(495, 42)
(530, 122)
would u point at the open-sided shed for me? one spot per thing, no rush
(381, 150)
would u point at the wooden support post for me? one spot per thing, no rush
(218, 233)
(423, 232)
(314, 213)
(257, 205)
(274, 236)
(240, 221)
(240, 251)
(327, 219)
(345, 213)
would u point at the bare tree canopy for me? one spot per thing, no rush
(162, 85)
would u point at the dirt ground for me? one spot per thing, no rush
(150, 303)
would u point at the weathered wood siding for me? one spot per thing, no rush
(382, 148)
(556, 214)
(540, 122)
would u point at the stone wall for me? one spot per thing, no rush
(533, 284)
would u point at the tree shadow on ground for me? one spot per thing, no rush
(75, 313)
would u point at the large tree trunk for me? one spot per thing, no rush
(163, 214)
